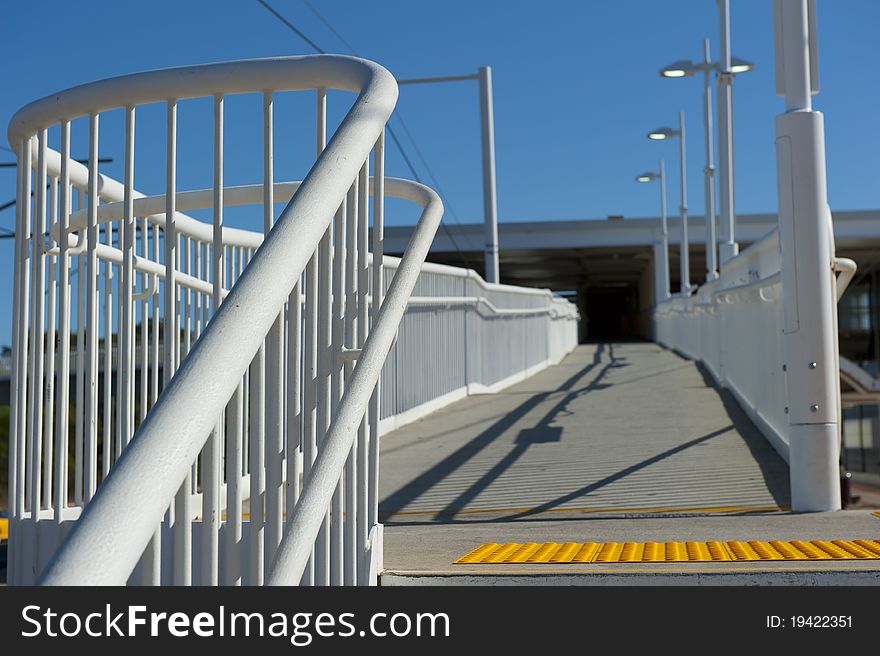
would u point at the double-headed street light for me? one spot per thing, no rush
(661, 246)
(661, 134)
(726, 68)
(687, 68)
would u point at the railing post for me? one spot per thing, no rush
(809, 305)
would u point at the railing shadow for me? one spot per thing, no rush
(771, 466)
(450, 464)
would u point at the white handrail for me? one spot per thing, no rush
(293, 553)
(477, 301)
(116, 526)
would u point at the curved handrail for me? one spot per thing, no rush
(299, 73)
(106, 543)
(477, 301)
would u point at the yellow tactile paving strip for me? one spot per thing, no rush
(682, 552)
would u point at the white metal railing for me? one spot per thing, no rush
(768, 328)
(197, 383)
(243, 360)
(472, 337)
(734, 326)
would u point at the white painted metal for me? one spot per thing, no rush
(709, 169)
(214, 419)
(718, 326)
(378, 292)
(684, 259)
(487, 141)
(807, 247)
(490, 202)
(308, 515)
(727, 247)
(767, 328)
(661, 241)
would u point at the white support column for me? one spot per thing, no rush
(809, 305)
(490, 206)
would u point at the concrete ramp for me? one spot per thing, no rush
(624, 442)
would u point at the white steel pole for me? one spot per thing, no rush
(685, 259)
(709, 170)
(728, 247)
(663, 259)
(490, 208)
(808, 287)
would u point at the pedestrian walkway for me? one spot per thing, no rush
(619, 442)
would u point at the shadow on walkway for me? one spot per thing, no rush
(418, 486)
(772, 468)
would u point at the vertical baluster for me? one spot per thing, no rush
(154, 345)
(310, 393)
(274, 354)
(324, 373)
(81, 368)
(350, 339)
(186, 297)
(211, 454)
(246, 401)
(234, 439)
(61, 416)
(107, 453)
(35, 436)
(12, 458)
(197, 295)
(256, 460)
(151, 562)
(294, 389)
(18, 425)
(125, 356)
(334, 358)
(378, 293)
(90, 429)
(310, 364)
(257, 463)
(49, 422)
(145, 335)
(206, 258)
(363, 283)
(182, 523)
(322, 547)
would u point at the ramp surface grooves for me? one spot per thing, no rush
(655, 552)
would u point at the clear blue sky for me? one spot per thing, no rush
(576, 88)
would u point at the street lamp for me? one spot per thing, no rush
(661, 247)
(487, 132)
(687, 68)
(662, 134)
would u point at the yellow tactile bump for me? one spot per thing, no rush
(655, 552)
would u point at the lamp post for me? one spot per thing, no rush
(487, 138)
(661, 247)
(685, 68)
(661, 134)
(728, 247)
